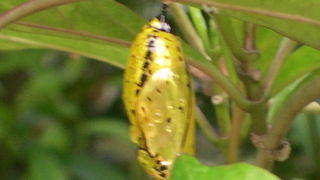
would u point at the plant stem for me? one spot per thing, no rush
(206, 128)
(226, 31)
(200, 25)
(185, 24)
(250, 77)
(193, 38)
(249, 37)
(29, 8)
(234, 138)
(224, 82)
(286, 47)
(221, 106)
(246, 9)
(307, 91)
(315, 138)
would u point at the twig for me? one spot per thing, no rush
(286, 47)
(206, 128)
(245, 9)
(189, 32)
(234, 138)
(306, 92)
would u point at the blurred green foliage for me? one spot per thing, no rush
(61, 120)
(61, 115)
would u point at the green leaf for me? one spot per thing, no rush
(299, 21)
(44, 165)
(88, 168)
(106, 127)
(188, 168)
(98, 29)
(301, 62)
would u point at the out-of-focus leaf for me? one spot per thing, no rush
(103, 34)
(188, 168)
(56, 138)
(87, 168)
(299, 63)
(44, 165)
(19, 60)
(78, 28)
(106, 127)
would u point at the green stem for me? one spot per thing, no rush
(234, 138)
(286, 47)
(307, 91)
(193, 38)
(206, 128)
(185, 24)
(224, 82)
(221, 106)
(315, 138)
(29, 8)
(252, 10)
(226, 31)
(246, 57)
(200, 25)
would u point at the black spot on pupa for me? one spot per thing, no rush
(188, 85)
(167, 82)
(137, 91)
(162, 168)
(144, 110)
(178, 49)
(146, 64)
(155, 31)
(180, 58)
(157, 161)
(143, 79)
(163, 175)
(149, 99)
(158, 90)
(149, 71)
(148, 55)
(150, 45)
(133, 111)
(168, 120)
(180, 108)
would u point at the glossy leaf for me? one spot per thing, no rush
(188, 168)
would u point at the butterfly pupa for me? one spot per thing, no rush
(158, 99)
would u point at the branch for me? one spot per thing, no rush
(187, 28)
(224, 82)
(306, 92)
(28, 8)
(206, 128)
(286, 47)
(245, 9)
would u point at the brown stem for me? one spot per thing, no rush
(234, 138)
(286, 47)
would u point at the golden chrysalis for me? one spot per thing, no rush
(159, 99)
